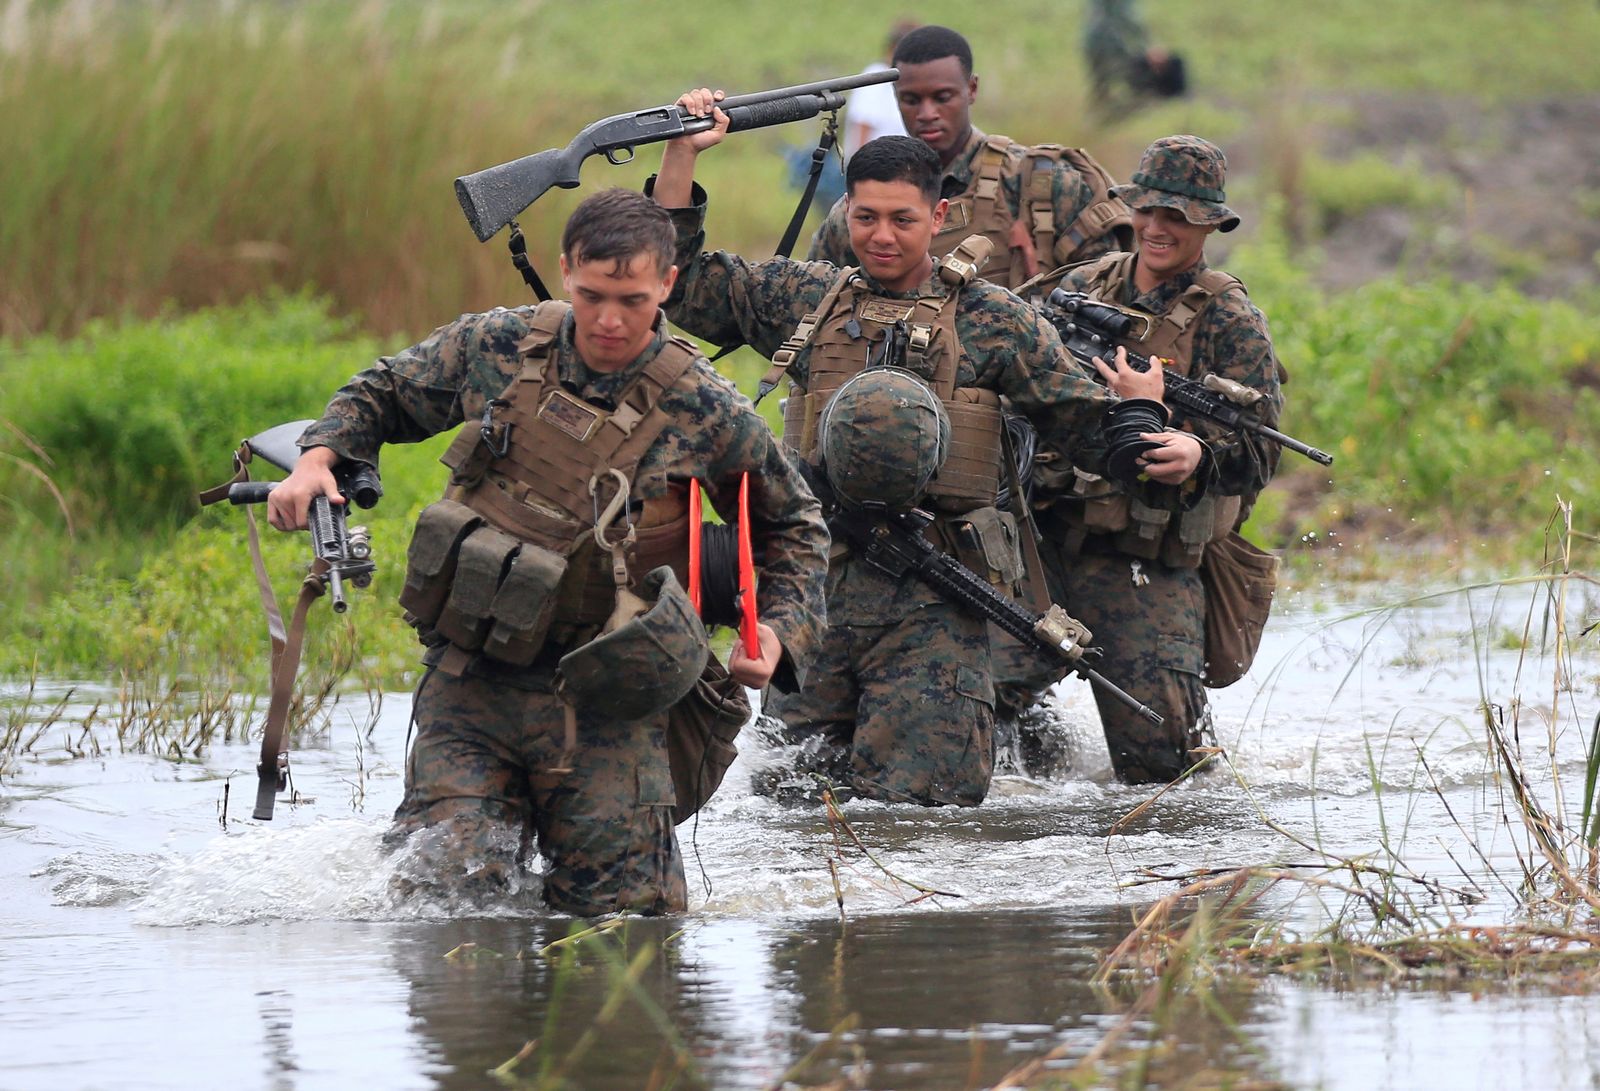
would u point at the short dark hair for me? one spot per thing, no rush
(896, 159)
(618, 225)
(932, 43)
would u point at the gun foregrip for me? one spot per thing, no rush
(777, 112)
(250, 492)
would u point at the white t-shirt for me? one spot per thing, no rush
(873, 106)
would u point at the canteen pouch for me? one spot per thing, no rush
(524, 605)
(431, 559)
(480, 565)
(700, 733)
(1239, 581)
(985, 540)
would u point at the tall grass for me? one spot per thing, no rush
(196, 153)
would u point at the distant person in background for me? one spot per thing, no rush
(1125, 70)
(872, 111)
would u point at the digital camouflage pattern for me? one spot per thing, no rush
(1153, 632)
(1186, 173)
(896, 657)
(489, 743)
(1069, 194)
(902, 713)
(883, 435)
(485, 787)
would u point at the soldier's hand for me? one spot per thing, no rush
(702, 102)
(312, 476)
(1129, 383)
(756, 673)
(1175, 461)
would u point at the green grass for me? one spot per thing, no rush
(174, 156)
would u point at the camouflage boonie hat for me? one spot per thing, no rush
(1185, 173)
(643, 666)
(883, 435)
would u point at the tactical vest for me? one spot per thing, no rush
(849, 323)
(1175, 539)
(984, 210)
(507, 563)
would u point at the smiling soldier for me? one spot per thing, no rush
(1129, 573)
(900, 705)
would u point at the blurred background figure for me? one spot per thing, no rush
(873, 111)
(1125, 70)
(869, 112)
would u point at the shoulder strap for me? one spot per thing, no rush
(802, 335)
(1198, 296)
(1105, 213)
(988, 197)
(1038, 206)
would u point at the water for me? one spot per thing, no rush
(147, 944)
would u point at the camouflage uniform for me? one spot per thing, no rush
(1070, 195)
(1147, 616)
(900, 702)
(485, 770)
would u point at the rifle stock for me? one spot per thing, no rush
(493, 197)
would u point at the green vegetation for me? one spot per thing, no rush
(175, 157)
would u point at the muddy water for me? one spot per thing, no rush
(145, 944)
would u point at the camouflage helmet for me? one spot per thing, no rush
(643, 666)
(882, 437)
(1184, 173)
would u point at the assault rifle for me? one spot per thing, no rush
(341, 554)
(493, 197)
(1093, 328)
(894, 543)
(346, 551)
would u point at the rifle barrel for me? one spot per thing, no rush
(843, 83)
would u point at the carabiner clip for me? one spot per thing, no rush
(617, 505)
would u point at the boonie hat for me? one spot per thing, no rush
(1185, 173)
(645, 665)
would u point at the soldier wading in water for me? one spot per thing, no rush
(547, 584)
(900, 704)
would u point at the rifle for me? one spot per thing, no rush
(1090, 328)
(346, 551)
(894, 543)
(493, 197)
(340, 554)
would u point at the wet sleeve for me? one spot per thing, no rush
(416, 393)
(786, 527)
(726, 300)
(831, 243)
(1234, 342)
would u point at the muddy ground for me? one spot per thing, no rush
(1521, 199)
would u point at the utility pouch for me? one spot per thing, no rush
(1105, 510)
(700, 733)
(1146, 527)
(985, 540)
(524, 604)
(431, 558)
(480, 565)
(1184, 548)
(1239, 581)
